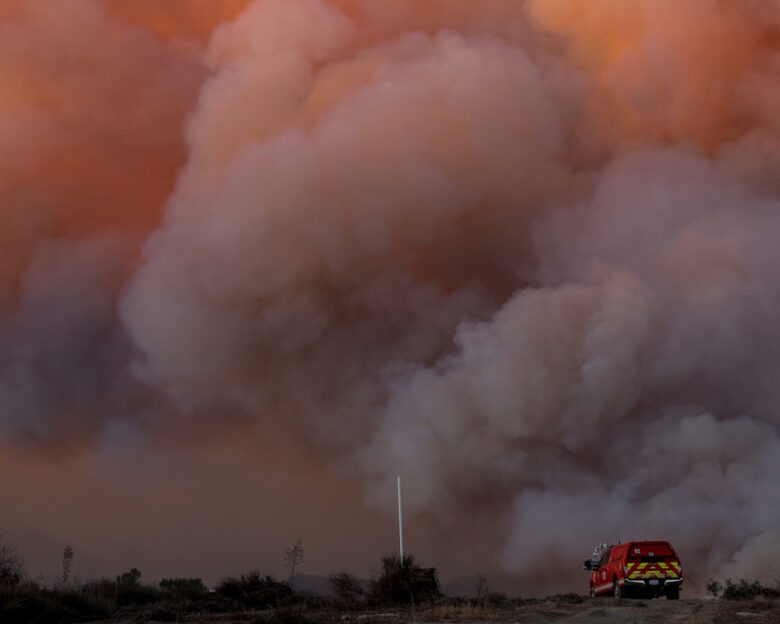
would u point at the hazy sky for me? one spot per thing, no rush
(261, 256)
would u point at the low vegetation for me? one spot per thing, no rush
(400, 583)
(349, 591)
(11, 563)
(403, 582)
(742, 590)
(253, 591)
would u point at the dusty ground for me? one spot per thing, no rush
(562, 610)
(607, 610)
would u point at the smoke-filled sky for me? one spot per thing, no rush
(260, 256)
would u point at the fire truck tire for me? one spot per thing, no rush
(618, 591)
(673, 595)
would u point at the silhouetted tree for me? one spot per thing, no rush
(11, 562)
(67, 563)
(294, 557)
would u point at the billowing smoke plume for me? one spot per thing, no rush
(90, 116)
(523, 254)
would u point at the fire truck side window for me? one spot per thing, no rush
(604, 558)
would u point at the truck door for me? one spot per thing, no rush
(616, 563)
(602, 583)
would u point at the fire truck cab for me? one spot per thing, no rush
(636, 569)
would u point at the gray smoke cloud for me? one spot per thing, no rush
(439, 257)
(522, 254)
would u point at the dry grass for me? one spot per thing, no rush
(463, 612)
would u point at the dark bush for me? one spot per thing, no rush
(744, 590)
(348, 590)
(495, 599)
(404, 582)
(138, 595)
(714, 588)
(255, 591)
(29, 604)
(124, 591)
(103, 591)
(180, 588)
(11, 563)
(131, 577)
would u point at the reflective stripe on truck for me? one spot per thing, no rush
(658, 569)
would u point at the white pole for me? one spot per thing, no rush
(400, 522)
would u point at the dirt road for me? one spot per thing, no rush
(558, 610)
(610, 611)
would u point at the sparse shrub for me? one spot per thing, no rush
(131, 577)
(129, 591)
(180, 588)
(103, 591)
(348, 590)
(404, 582)
(137, 594)
(741, 590)
(714, 588)
(255, 591)
(495, 599)
(11, 563)
(81, 607)
(747, 590)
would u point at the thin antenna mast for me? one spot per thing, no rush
(400, 522)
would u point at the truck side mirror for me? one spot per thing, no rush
(586, 565)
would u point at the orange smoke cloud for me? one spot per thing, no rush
(91, 126)
(672, 71)
(193, 19)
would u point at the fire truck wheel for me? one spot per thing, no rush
(618, 590)
(673, 595)
(592, 592)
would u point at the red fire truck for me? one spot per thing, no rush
(635, 569)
